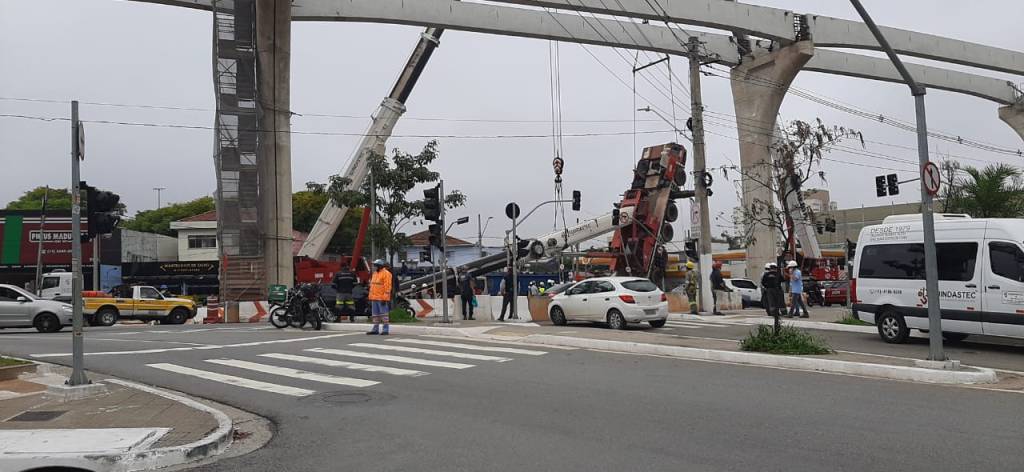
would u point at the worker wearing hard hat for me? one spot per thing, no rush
(691, 285)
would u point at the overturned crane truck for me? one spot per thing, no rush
(641, 222)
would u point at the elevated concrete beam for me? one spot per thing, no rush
(760, 21)
(835, 32)
(757, 107)
(1013, 115)
(876, 68)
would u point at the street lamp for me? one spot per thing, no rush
(480, 233)
(158, 190)
(666, 120)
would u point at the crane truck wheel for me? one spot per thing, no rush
(671, 212)
(667, 232)
(537, 249)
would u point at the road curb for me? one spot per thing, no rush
(967, 375)
(210, 445)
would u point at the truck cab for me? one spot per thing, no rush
(140, 302)
(56, 286)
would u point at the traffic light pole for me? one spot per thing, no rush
(77, 346)
(96, 262)
(444, 256)
(935, 351)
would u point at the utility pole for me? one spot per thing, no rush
(444, 255)
(39, 247)
(699, 172)
(77, 347)
(931, 272)
(96, 262)
(158, 190)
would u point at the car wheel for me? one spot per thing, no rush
(656, 323)
(105, 317)
(954, 337)
(892, 328)
(616, 320)
(47, 323)
(558, 316)
(177, 316)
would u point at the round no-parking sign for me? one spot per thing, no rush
(931, 178)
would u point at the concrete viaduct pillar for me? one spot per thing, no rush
(1013, 115)
(759, 85)
(273, 79)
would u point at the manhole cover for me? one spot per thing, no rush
(41, 415)
(347, 397)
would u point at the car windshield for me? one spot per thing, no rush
(640, 285)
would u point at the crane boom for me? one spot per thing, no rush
(384, 120)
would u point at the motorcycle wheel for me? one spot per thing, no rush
(279, 318)
(314, 321)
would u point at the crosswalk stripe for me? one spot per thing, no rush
(232, 380)
(432, 352)
(295, 373)
(345, 364)
(680, 324)
(510, 350)
(385, 357)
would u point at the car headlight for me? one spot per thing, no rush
(65, 308)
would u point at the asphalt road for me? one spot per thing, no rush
(566, 410)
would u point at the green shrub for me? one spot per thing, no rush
(788, 340)
(853, 320)
(401, 315)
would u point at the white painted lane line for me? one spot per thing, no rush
(680, 324)
(507, 341)
(385, 357)
(295, 373)
(232, 380)
(433, 352)
(198, 348)
(510, 350)
(345, 364)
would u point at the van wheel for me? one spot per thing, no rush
(557, 316)
(616, 320)
(105, 317)
(954, 337)
(47, 323)
(892, 328)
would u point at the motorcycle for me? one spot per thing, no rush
(302, 305)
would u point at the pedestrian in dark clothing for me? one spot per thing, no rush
(717, 285)
(468, 294)
(771, 290)
(344, 282)
(507, 292)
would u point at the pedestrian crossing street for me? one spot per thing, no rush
(399, 356)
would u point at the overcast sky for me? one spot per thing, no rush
(125, 52)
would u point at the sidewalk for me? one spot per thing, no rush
(115, 426)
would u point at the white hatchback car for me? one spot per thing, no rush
(617, 301)
(748, 290)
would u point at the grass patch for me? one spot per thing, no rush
(789, 340)
(400, 315)
(7, 362)
(849, 319)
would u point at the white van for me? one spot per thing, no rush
(56, 286)
(981, 276)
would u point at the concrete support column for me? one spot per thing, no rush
(758, 87)
(1013, 115)
(273, 79)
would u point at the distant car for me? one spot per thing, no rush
(835, 292)
(20, 309)
(616, 301)
(558, 288)
(748, 290)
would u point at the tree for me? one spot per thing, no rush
(393, 178)
(56, 199)
(995, 191)
(797, 158)
(159, 220)
(306, 208)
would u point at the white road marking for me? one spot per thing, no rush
(197, 348)
(510, 350)
(432, 352)
(345, 364)
(385, 357)
(295, 373)
(232, 380)
(147, 341)
(680, 324)
(510, 341)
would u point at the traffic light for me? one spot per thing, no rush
(893, 183)
(880, 186)
(436, 235)
(851, 250)
(576, 200)
(432, 204)
(101, 211)
(425, 254)
(690, 248)
(830, 225)
(615, 215)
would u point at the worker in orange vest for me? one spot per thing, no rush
(380, 296)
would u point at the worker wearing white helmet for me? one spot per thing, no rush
(796, 290)
(772, 297)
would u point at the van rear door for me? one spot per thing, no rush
(1003, 291)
